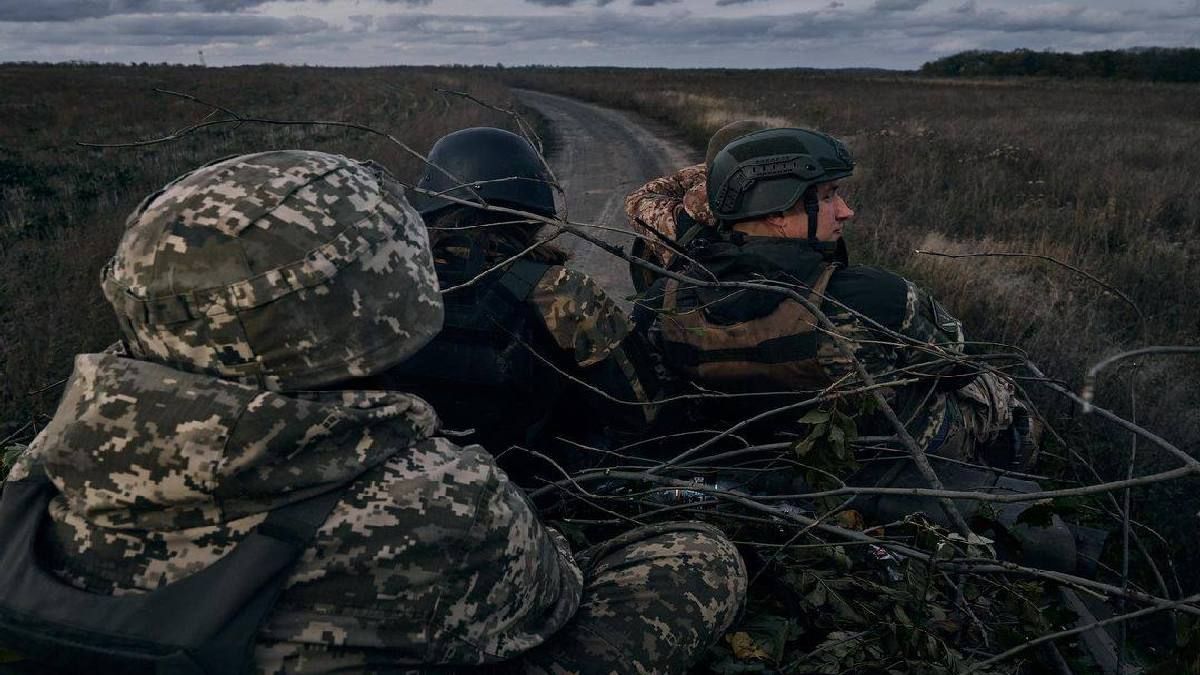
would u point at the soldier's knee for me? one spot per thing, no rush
(693, 571)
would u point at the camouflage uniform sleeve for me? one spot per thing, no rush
(655, 206)
(525, 585)
(987, 400)
(926, 321)
(982, 403)
(597, 341)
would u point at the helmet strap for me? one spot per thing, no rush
(812, 208)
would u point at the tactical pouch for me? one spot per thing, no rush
(205, 623)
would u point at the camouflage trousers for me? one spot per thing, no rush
(654, 600)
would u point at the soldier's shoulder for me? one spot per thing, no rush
(692, 175)
(877, 293)
(579, 315)
(565, 284)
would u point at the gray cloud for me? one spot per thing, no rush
(1182, 11)
(361, 23)
(72, 10)
(834, 35)
(616, 31)
(898, 5)
(568, 3)
(65, 10)
(200, 28)
(652, 3)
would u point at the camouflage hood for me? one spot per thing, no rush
(138, 445)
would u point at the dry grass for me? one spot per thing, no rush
(62, 207)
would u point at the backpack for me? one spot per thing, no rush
(204, 623)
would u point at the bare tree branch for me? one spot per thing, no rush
(1108, 287)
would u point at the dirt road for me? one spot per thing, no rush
(600, 155)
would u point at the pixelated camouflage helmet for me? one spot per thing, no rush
(499, 166)
(769, 171)
(287, 269)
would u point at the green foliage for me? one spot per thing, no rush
(826, 453)
(836, 610)
(1157, 64)
(8, 457)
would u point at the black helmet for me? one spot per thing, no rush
(477, 156)
(769, 171)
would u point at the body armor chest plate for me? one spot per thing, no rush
(775, 351)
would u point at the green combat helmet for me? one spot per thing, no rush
(770, 171)
(287, 270)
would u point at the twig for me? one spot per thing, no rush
(1108, 287)
(16, 433)
(500, 265)
(1081, 629)
(50, 386)
(527, 131)
(1191, 462)
(1089, 380)
(238, 120)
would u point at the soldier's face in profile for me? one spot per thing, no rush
(831, 219)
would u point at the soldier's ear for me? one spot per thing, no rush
(777, 222)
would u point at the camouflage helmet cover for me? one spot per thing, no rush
(768, 171)
(286, 269)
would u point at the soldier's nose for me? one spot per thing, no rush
(844, 211)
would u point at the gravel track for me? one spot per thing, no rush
(601, 155)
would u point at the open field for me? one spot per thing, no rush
(1099, 176)
(62, 207)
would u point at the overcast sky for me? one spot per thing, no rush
(672, 33)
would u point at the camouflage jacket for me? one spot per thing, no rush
(654, 209)
(430, 557)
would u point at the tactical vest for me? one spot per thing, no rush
(480, 371)
(774, 351)
(205, 623)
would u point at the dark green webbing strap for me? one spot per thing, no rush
(522, 277)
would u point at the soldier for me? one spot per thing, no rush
(217, 494)
(778, 217)
(668, 212)
(532, 350)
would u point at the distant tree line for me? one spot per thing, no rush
(1155, 63)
